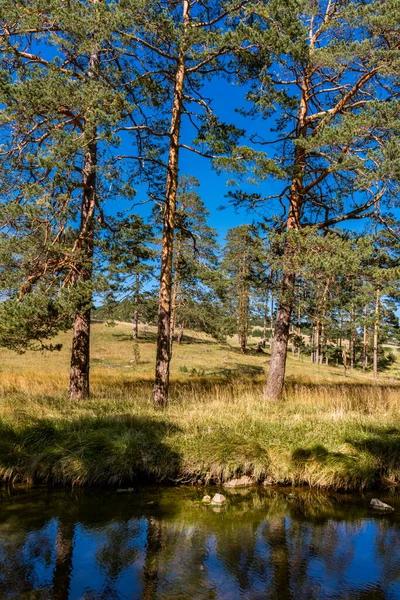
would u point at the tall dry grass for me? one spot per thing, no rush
(329, 431)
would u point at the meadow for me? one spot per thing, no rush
(330, 431)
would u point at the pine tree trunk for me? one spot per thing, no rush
(180, 333)
(376, 334)
(277, 366)
(264, 338)
(365, 341)
(80, 357)
(135, 333)
(344, 353)
(80, 353)
(313, 344)
(243, 308)
(79, 388)
(243, 320)
(322, 344)
(352, 340)
(322, 337)
(272, 319)
(276, 375)
(317, 343)
(299, 329)
(175, 289)
(161, 383)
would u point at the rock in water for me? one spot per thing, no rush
(268, 481)
(241, 482)
(218, 499)
(206, 499)
(379, 505)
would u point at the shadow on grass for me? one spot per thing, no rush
(384, 444)
(151, 337)
(188, 340)
(333, 470)
(112, 450)
(317, 453)
(292, 383)
(376, 460)
(147, 336)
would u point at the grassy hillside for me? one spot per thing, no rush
(331, 431)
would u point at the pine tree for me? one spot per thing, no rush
(61, 102)
(195, 255)
(240, 261)
(327, 73)
(129, 262)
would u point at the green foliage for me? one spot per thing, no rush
(28, 324)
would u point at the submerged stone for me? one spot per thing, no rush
(240, 482)
(218, 499)
(206, 499)
(379, 505)
(268, 481)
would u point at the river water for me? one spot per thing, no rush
(163, 543)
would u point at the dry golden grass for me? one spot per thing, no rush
(330, 431)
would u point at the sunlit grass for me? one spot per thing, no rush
(330, 431)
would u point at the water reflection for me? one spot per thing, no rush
(164, 544)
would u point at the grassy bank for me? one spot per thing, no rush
(330, 432)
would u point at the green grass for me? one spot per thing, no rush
(330, 431)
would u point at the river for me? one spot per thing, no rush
(163, 543)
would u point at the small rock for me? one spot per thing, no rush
(206, 499)
(218, 499)
(240, 482)
(379, 505)
(291, 496)
(125, 490)
(268, 481)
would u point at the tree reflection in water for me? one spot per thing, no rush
(163, 544)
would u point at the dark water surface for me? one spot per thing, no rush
(161, 543)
